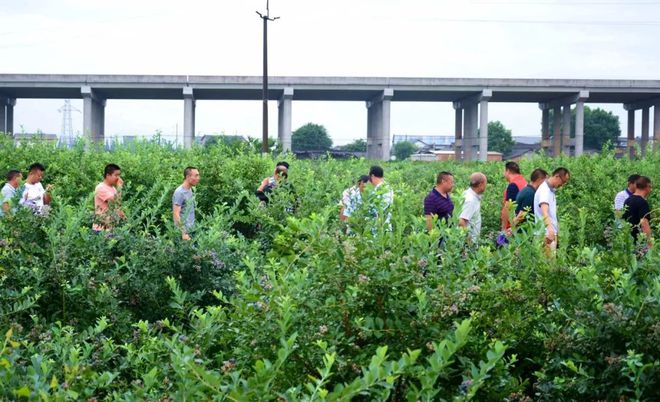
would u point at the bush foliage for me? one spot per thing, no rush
(268, 304)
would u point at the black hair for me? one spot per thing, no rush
(561, 172)
(110, 168)
(36, 166)
(376, 171)
(633, 178)
(512, 167)
(282, 163)
(12, 174)
(537, 174)
(187, 171)
(363, 179)
(442, 176)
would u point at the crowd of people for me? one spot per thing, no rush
(533, 201)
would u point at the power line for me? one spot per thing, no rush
(540, 22)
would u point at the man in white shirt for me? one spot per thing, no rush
(34, 195)
(545, 206)
(622, 196)
(470, 217)
(14, 178)
(381, 198)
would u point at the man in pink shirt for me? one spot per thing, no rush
(106, 199)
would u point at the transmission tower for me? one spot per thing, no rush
(67, 138)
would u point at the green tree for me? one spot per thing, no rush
(311, 137)
(600, 127)
(402, 150)
(499, 138)
(359, 145)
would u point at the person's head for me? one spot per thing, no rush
(445, 182)
(35, 172)
(111, 174)
(362, 182)
(14, 178)
(281, 172)
(191, 175)
(511, 169)
(478, 182)
(376, 174)
(643, 186)
(282, 165)
(560, 176)
(632, 180)
(538, 177)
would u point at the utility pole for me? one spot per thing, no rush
(264, 135)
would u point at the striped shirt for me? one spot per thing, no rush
(620, 199)
(437, 204)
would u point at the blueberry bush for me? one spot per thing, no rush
(278, 302)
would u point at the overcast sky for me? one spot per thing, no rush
(412, 38)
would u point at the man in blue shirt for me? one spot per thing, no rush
(438, 203)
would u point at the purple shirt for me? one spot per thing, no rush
(436, 204)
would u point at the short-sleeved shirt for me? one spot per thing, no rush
(8, 193)
(382, 197)
(637, 208)
(102, 196)
(620, 199)
(351, 199)
(525, 201)
(33, 196)
(545, 194)
(439, 205)
(471, 212)
(186, 200)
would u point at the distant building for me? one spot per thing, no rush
(434, 156)
(23, 138)
(427, 142)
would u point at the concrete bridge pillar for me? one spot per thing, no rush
(631, 134)
(566, 129)
(483, 128)
(545, 128)
(556, 131)
(469, 131)
(7, 115)
(458, 140)
(656, 126)
(645, 129)
(579, 127)
(284, 109)
(378, 126)
(188, 117)
(93, 115)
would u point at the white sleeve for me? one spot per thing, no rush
(469, 208)
(544, 195)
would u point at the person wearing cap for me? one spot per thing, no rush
(270, 183)
(351, 198)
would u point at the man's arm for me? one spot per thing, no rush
(645, 226)
(463, 222)
(550, 231)
(176, 216)
(429, 222)
(342, 217)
